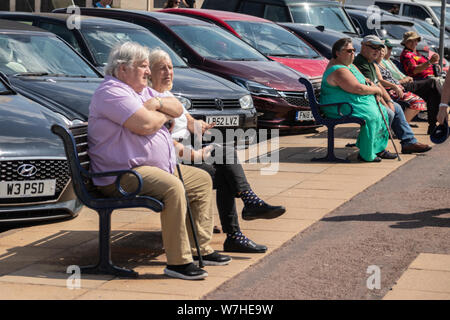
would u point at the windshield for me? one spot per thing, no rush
(437, 11)
(101, 41)
(272, 40)
(427, 29)
(330, 17)
(37, 55)
(393, 30)
(215, 43)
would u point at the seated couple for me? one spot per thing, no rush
(127, 131)
(344, 81)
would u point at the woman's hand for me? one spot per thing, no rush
(398, 90)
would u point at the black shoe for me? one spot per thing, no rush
(264, 211)
(386, 155)
(240, 243)
(186, 272)
(377, 159)
(214, 259)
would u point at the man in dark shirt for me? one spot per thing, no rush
(364, 61)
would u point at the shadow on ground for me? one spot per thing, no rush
(415, 220)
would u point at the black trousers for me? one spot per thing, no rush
(228, 180)
(427, 90)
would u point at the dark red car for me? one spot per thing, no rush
(278, 96)
(266, 36)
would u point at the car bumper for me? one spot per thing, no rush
(66, 206)
(244, 133)
(278, 113)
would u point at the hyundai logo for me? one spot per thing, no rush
(27, 170)
(219, 104)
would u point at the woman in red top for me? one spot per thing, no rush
(416, 65)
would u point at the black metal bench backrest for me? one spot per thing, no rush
(329, 122)
(76, 146)
(313, 104)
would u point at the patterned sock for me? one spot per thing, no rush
(251, 199)
(238, 237)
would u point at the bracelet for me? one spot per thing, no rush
(160, 103)
(443, 105)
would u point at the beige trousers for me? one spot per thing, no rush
(168, 188)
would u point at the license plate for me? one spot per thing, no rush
(34, 188)
(304, 116)
(223, 121)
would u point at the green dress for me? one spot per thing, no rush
(373, 136)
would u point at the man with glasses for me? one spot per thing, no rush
(364, 61)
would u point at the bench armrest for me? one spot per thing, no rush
(119, 174)
(339, 104)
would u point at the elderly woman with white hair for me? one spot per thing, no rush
(228, 178)
(126, 131)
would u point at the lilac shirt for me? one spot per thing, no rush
(114, 147)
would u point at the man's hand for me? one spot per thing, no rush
(434, 58)
(442, 115)
(406, 79)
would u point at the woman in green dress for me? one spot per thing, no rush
(342, 82)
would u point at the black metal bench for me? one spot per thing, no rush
(76, 145)
(329, 122)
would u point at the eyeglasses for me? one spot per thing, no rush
(375, 47)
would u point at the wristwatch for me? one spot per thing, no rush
(443, 105)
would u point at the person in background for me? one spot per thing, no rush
(127, 131)
(172, 4)
(416, 65)
(427, 88)
(343, 82)
(228, 179)
(103, 4)
(370, 48)
(414, 103)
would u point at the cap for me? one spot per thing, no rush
(440, 133)
(388, 44)
(410, 35)
(373, 39)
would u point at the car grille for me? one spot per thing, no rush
(298, 98)
(211, 103)
(46, 169)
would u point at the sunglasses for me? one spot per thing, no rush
(349, 50)
(375, 47)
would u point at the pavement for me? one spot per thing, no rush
(35, 260)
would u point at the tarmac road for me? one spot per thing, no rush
(387, 225)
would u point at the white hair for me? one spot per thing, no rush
(157, 55)
(125, 53)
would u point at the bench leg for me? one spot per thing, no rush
(330, 157)
(105, 265)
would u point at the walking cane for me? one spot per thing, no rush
(388, 129)
(194, 231)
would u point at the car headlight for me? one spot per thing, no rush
(257, 88)
(246, 102)
(187, 104)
